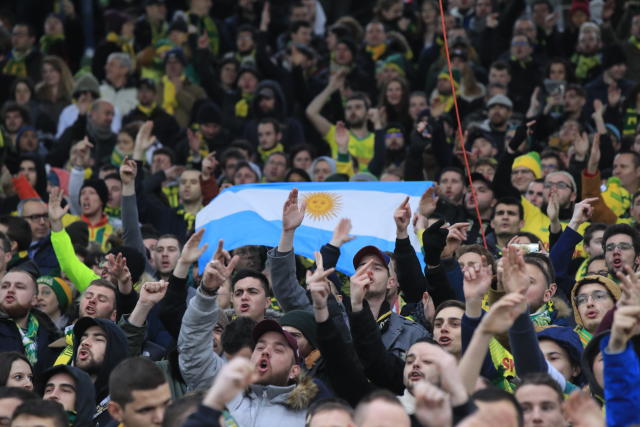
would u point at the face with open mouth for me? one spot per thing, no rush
(274, 360)
(250, 299)
(418, 367)
(446, 329)
(593, 301)
(98, 302)
(91, 350)
(619, 251)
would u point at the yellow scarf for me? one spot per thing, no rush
(169, 101)
(377, 51)
(148, 110)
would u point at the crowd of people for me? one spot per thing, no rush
(121, 119)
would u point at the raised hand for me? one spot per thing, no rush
(457, 235)
(192, 251)
(429, 201)
(81, 153)
(317, 283)
(594, 155)
(502, 314)
(56, 211)
(625, 325)
(581, 146)
(402, 217)
(152, 293)
(222, 254)
(209, 165)
(582, 212)
(342, 137)
(215, 273)
(514, 273)
(117, 268)
(433, 406)
(128, 171)
(234, 378)
(553, 211)
(341, 233)
(359, 284)
(477, 280)
(630, 287)
(434, 240)
(144, 138)
(174, 172)
(292, 212)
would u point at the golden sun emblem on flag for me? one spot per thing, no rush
(322, 205)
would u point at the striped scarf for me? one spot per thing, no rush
(584, 64)
(171, 193)
(585, 336)
(65, 356)
(29, 338)
(629, 122)
(16, 64)
(544, 315)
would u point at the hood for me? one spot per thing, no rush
(116, 351)
(85, 393)
(613, 289)
(569, 340)
(280, 110)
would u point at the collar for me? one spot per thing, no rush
(102, 221)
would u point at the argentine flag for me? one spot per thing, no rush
(251, 214)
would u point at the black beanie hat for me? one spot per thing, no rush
(209, 113)
(304, 322)
(100, 187)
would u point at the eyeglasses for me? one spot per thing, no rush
(558, 185)
(582, 299)
(36, 217)
(623, 246)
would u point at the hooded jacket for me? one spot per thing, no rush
(613, 289)
(85, 393)
(292, 133)
(115, 352)
(260, 405)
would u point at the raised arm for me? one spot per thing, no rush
(130, 217)
(284, 282)
(497, 321)
(321, 124)
(199, 364)
(173, 306)
(135, 325)
(79, 274)
(410, 277)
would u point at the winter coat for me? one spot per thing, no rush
(260, 405)
(11, 340)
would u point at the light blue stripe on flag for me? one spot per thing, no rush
(252, 215)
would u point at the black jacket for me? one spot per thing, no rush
(85, 406)
(11, 340)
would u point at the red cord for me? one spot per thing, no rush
(460, 135)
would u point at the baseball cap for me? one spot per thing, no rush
(371, 250)
(500, 100)
(270, 325)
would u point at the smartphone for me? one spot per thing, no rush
(527, 248)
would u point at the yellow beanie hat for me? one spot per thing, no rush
(531, 161)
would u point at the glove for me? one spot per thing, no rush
(434, 239)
